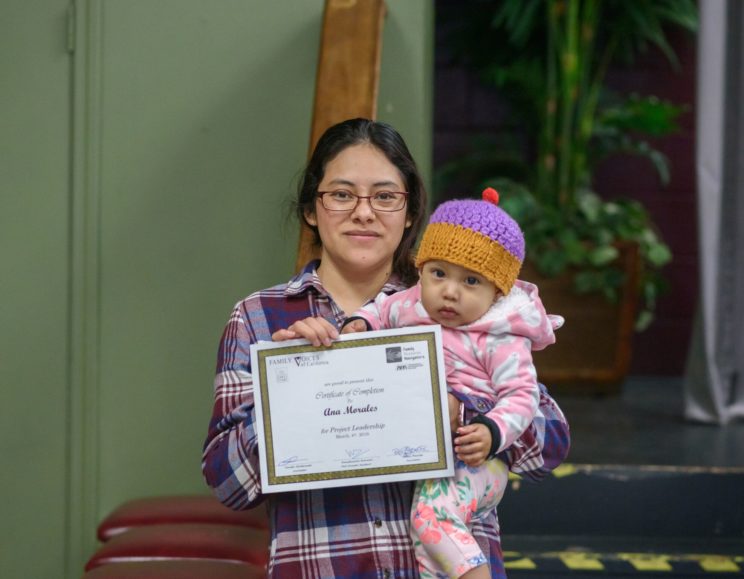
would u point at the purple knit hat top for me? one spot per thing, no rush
(477, 235)
(486, 218)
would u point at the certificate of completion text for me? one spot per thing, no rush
(371, 408)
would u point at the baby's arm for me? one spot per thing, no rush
(514, 380)
(373, 316)
(353, 325)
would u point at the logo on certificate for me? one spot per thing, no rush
(393, 355)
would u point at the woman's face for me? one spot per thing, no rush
(360, 239)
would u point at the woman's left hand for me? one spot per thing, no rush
(316, 330)
(473, 443)
(454, 412)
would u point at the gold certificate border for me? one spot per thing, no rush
(439, 464)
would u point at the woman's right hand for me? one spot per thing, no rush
(316, 330)
(454, 412)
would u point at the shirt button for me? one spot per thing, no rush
(387, 574)
(481, 405)
(378, 523)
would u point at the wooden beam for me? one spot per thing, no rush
(348, 76)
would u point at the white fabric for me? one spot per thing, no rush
(713, 389)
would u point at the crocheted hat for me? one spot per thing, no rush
(477, 235)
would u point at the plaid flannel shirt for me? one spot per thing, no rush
(354, 532)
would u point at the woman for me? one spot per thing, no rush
(362, 195)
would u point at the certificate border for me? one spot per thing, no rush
(441, 463)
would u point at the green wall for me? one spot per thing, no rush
(145, 171)
(34, 274)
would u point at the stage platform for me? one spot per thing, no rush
(643, 494)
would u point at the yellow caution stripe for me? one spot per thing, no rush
(731, 565)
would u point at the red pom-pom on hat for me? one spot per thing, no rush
(490, 194)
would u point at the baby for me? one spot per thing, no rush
(469, 258)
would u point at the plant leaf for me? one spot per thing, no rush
(603, 255)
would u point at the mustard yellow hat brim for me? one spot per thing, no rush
(471, 250)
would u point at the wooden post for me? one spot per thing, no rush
(348, 76)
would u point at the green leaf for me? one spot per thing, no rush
(590, 206)
(575, 253)
(587, 282)
(643, 321)
(444, 486)
(603, 255)
(611, 294)
(650, 291)
(659, 254)
(551, 263)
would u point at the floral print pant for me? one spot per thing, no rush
(442, 512)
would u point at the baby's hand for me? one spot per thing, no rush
(316, 330)
(354, 326)
(473, 443)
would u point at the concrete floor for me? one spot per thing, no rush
(644, 424)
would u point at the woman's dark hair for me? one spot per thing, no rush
(388, 141)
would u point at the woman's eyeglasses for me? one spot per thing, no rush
(343, 200)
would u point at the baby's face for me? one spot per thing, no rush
(453, 295)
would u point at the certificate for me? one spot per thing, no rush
(371, 408)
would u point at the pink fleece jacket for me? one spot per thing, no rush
(489, 359)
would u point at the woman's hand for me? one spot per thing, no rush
(316, 330)
(454, 412)
(473, 443)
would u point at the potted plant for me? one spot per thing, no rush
(551, 58)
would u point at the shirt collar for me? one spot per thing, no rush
(308, 278)
(304, 280)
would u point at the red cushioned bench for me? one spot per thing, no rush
(175, 510)
(176, 570)
(230, 543)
